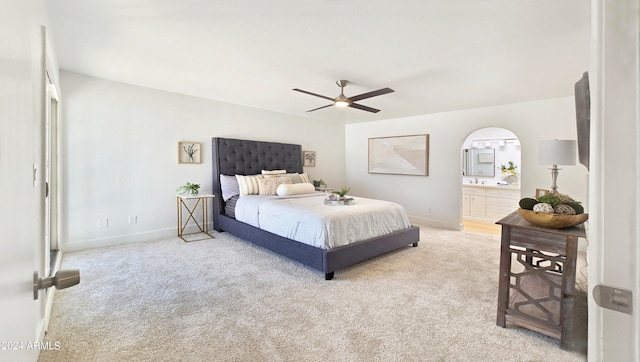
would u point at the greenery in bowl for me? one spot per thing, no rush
(509, 170)
(343, 191)
(189, 188)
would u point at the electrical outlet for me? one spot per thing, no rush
(133, 220)
(103, 223)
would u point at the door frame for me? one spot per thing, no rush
(50, 178)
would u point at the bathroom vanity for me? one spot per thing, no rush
(489, 203)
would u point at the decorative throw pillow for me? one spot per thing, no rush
(305, 178)
(249, 185)
(294, 177)
(295, 189)
(268, 186)
(229, 186)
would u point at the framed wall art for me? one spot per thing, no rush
(485, 157)
(400, 155)
(309, 158)
(189, 152)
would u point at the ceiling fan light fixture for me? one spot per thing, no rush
(341, 103)
(341, 100)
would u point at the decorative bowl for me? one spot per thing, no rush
(554, 221)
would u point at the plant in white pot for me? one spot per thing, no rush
(189, 189)
(343, 192)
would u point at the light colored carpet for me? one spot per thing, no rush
(227, 300)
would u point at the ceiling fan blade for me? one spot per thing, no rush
(313, 94)
(364, 108)
(315, 109)
(374, 93)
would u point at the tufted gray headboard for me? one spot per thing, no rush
(244, 157)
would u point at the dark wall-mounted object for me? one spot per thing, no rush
(583, 118)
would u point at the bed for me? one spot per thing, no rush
(246, 157)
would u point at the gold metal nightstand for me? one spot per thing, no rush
(182, 203)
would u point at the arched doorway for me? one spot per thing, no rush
(491, 170)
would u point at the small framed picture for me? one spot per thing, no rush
(189, 152)
(309, 158)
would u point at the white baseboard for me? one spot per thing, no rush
(122, 239)
(421, 221)
(118, 240)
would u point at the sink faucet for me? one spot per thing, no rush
(476, 180)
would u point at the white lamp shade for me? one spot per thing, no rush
(557, 152)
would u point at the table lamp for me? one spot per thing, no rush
(556, 152)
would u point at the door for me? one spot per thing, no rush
(477, 206)
(466, 205)
(21, 94)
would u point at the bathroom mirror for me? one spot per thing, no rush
(479, 162)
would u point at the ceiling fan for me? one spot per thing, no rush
(343, 101)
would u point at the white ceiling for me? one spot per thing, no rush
(438, 55)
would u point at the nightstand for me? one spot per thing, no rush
(193, 203)
(539, 291)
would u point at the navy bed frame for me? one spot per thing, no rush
(244, 157)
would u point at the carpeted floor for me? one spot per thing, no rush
(227, 300)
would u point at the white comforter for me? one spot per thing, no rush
(305, 218)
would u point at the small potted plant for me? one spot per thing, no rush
(189, 189)
(509, 172)
(343, 192)
(343, 199)
(319, 184)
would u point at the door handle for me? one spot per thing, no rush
(63, 279)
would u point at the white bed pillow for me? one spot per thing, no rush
(249, 185)
(294, 177)
(295, 189)
(229, 186)
(268, 186)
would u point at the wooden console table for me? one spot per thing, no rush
(538, 291)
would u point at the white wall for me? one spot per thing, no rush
(436, 199)
(119, 155)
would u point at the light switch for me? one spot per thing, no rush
(618, 299)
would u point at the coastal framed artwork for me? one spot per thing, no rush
(189, 152)
(399, 155)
